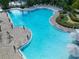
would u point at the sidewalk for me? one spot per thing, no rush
(10, 37)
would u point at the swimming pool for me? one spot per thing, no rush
(47, 41)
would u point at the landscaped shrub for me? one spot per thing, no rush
(76, 4)
(73, 17)
(63, 22)
(76, 11)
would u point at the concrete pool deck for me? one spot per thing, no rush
(11, 38)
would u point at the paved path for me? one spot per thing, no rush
(11, 39)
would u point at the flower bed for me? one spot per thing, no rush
(73, 17)
(63, 20)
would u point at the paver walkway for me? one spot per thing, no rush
(11, 39)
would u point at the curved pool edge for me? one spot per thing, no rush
(26, 43)
(29, 41)
(31, 31)
(58, 26)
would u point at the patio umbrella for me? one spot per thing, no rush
(73, 50)
(74, 35)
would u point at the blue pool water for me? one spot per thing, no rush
(47, 41)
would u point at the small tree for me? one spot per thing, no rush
(5, 4)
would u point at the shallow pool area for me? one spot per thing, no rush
(47, 41)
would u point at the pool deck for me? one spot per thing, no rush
(11, 38)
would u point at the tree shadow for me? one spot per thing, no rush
(72, 57)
